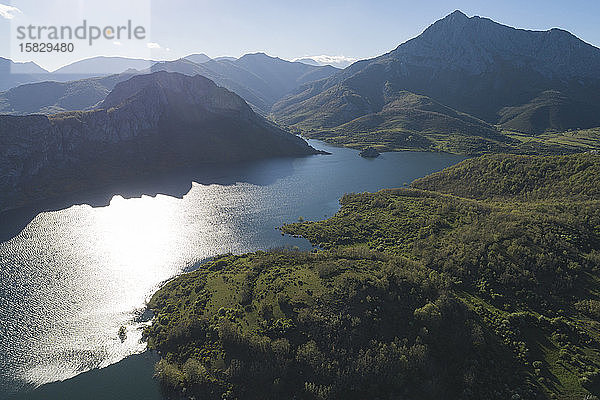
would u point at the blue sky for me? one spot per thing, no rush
(353, 29)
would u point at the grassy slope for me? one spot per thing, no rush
(401, 139)
(396, 120)
(488, 290)
(402, 121)
(551, 111)
(569, 141)
(519, 177)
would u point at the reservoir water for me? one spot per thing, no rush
(72, 274)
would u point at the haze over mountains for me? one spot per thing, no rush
(98, 66)
(13, 74)
(50, 97)
(334, 61)
(260, 79)
(148, 124)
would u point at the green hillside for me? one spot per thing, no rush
(415, 294)
(551, 111)
(507, 177)
(406, 121)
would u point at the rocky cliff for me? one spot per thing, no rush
(147, 124)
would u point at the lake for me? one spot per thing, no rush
(72, 274)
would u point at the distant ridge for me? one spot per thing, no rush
(101, 65)
(13, 73)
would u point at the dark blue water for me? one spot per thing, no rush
(70, 278)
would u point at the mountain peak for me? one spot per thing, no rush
(454, 19)
(457, 15)
(475, 45)
(445, 28)
(189, 87)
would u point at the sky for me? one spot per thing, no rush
(342, 30)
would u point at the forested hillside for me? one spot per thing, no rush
(489, 292)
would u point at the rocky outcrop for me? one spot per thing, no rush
(147, 124)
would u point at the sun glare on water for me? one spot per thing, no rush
(137, 239)
(75, 276)
(94, 274)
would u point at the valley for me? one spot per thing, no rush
(423, 223)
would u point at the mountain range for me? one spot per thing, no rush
(50, 97)
(260, 79)
(466, 85)
(147, 124)
(13, 74)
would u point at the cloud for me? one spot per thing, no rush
(8, 12)
(336, 61)
(157, 48)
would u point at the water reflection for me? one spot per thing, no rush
(173, 184)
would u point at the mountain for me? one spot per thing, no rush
(474, 65)
(58, 95)
(146, 125)
(260, 79)
(13, 73)
(198, 58)
(50, 97)
(283, 75)
(96, 66)
(502, 177)
(410, 121)
(225, 74)
(57, 90)
(26, 68)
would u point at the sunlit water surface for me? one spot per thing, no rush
(71, 278)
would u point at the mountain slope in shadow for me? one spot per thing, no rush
(147, 125)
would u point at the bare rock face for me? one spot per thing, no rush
(147, 124)
(477, 45)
